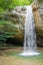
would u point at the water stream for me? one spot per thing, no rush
(30, 34)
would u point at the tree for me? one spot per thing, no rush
(6, 4)
(9, 4)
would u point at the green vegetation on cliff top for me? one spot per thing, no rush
(10, 4)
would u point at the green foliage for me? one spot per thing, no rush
(22, 2)
(7, 29)
(6, 4)
(10, 4)
(7, 26)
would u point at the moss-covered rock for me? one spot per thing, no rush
(14, 23)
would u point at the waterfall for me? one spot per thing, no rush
(30, 34)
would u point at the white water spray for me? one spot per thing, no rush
(30, 34)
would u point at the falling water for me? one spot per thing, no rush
(30, 34)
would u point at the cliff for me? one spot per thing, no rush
(38, 18)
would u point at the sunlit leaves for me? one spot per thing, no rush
(10, 4)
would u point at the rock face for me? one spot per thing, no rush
(38, 17)
(17, 16)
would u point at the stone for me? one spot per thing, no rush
(17, 17)
(38, 18)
